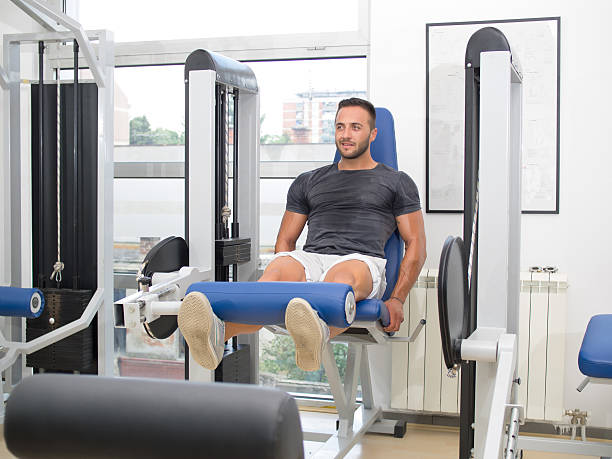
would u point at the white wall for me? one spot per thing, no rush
(577, 240)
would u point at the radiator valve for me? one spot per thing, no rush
(578, 419)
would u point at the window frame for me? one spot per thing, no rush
(354, 43)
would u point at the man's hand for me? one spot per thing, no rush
(396, 314)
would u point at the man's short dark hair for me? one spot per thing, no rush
(357, 102)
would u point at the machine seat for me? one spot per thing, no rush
(595, 357)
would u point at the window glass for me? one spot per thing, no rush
(299, 99)
(273, 197)
(149, 144)
(150, 108)
(145, 212)
(143, 20)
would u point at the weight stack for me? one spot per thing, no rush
(65, 304)
(74, 353)
(235, 366)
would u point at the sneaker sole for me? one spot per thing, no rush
(195, 320)
(303, 325)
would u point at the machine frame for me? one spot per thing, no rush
(490, 414)
(17, 245)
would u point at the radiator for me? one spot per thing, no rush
(419, 377)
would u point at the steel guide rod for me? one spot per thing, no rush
(219, 167)
(235, 226)
(41, 179)
(75, 184)
(470, 236)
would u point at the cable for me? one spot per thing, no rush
(58, 267)
(473, 239)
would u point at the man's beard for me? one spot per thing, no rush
(360, 149)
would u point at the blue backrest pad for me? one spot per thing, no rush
(595, 357)
(384, 151)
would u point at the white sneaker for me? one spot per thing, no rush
(309, 332)
(202, 329)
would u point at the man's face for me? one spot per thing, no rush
(353, 133)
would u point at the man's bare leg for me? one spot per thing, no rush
(281, 269)
(206, 333)
(287, 269)
(354, 273)
(308, 330)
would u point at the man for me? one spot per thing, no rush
(351, 208)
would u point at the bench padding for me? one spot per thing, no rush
(69, 416)
(595, 358)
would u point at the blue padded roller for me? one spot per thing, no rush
(21, 302)
(371, 311)
(264, 303)
(595, 358)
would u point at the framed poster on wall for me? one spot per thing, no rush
(535, 45)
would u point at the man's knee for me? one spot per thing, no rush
(342, 277)
(354, 273)
(284, 268)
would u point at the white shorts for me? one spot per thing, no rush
(317, 265)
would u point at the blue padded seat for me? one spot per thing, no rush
(595, 357)
(383, 151)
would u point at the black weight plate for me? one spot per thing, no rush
(453, 303)
(161, 328)
(168, 255)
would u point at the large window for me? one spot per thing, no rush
(294, 54)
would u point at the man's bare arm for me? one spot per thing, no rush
(412, 231)
(289, 232)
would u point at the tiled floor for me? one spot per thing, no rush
(4, 453)
(419, 442)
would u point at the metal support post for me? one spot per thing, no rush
(4, 79)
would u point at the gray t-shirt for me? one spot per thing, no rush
(352, 211)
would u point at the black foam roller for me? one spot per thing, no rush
(72, 416)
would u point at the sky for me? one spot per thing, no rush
(159, 92)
